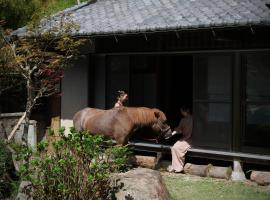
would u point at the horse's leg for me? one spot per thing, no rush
(121, 137)
(121, 132)
(121, 140)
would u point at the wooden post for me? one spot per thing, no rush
(144, 161)
(262, 178)
(55, 125)
(220, 172)
(199, 170)
(208, 170)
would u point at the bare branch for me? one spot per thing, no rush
(5, 89)
(32, 70)
(11, 135)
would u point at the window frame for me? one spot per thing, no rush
(246, 102)
(229, 102)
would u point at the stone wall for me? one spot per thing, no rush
(7, 122)
(36, 130)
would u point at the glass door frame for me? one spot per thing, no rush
(245, 102)
(233, 142)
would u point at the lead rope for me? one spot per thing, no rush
(157, 138)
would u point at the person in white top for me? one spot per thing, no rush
(121, 98)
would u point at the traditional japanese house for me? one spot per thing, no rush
(211, 54)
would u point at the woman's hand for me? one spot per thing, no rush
(173, 133)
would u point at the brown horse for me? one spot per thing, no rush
(119, 123)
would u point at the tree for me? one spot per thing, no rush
(5, 64)
(17, 13)
(40, 58)
(10, 81)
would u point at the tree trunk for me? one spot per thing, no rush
(208, 170)
(262, 178)
(220, 172)
(78, 2)
(29, 106)
(199, 170)
(144, 161)
(55, 125)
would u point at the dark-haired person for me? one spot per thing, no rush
(181, 147)
(122, 97)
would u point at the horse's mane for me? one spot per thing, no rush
(143, 115)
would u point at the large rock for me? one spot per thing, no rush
(25, 190)
(139, 184)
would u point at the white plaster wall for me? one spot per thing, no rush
(67, 123)
(74, 88)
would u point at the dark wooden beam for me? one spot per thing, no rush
(204, 153)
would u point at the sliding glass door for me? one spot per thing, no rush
(212, 101)
(256, 103)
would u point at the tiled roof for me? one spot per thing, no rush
(131, 16)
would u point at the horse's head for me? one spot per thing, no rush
(160, 125)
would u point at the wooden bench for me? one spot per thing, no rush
(204, 153)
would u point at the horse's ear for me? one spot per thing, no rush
(157, 114)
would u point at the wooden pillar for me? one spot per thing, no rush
(236, 106)
(55, 125)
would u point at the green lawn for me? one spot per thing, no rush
(186, 187)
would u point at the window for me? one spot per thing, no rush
(258, 78)
(212, 101)
(257, 102)
(143, 81)
(117, 78)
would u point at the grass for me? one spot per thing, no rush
(186, 187)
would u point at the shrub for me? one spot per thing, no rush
(17, 12)
(78, 168)
(5, 170)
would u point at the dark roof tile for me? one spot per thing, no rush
(126, 16)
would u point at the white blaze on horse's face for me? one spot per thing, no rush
(161, 126)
